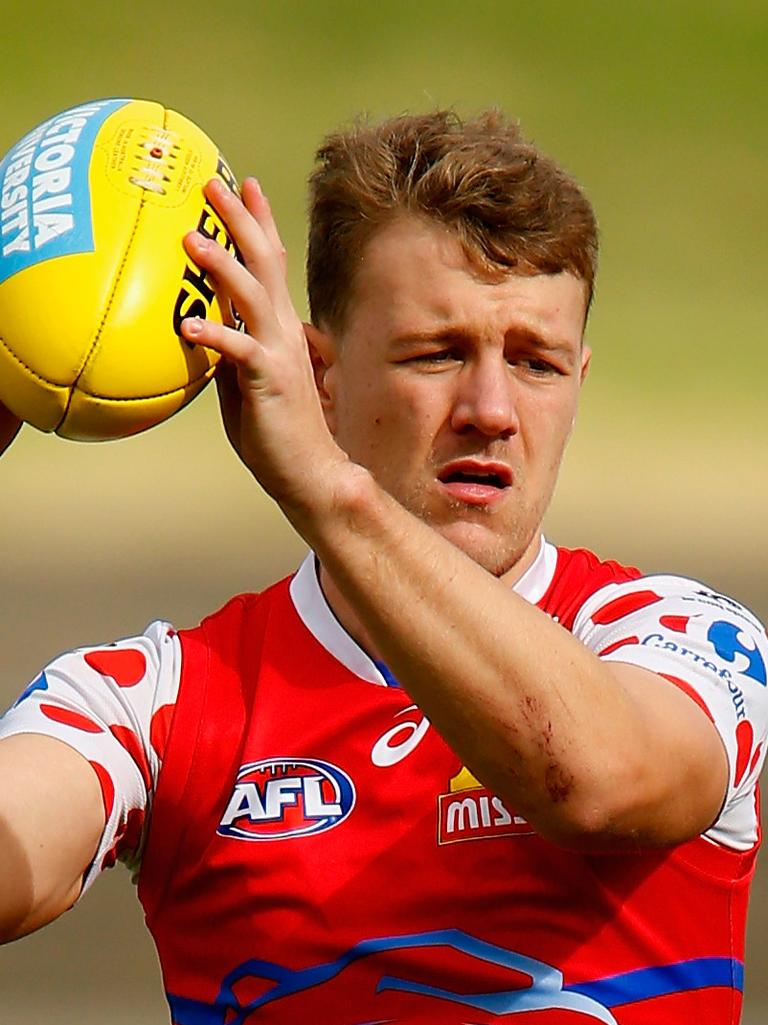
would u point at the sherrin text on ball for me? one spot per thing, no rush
(94, 279)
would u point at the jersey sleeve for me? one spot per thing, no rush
(112, 704)
(712, 648)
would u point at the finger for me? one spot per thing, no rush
(229, 315)
(234, 283)
(259, 206)
(256, 250)
(240, 349)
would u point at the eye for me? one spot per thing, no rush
(436, 357)
(439, 357)
(535, 366)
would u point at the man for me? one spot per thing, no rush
(447, 772)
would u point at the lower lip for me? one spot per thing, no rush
(474, 494)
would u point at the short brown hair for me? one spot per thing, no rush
(510, 206)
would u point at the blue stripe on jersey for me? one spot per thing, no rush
(547, 991)
(645, 983)
(385, 671)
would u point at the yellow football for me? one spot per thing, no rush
(94, 280)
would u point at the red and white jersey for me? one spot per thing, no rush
(311, 849)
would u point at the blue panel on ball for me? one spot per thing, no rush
(45, 202)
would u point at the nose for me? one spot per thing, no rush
(485, 399)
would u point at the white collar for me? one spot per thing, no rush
(317, 616)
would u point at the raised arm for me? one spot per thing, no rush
(592, 754)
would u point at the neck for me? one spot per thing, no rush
(346, 615)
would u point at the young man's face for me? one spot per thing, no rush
(457, 393)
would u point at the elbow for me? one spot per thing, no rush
(603, 812)
(578, 813)
(26, 904)
(587, 828)
(14, 921)
(17, 889)
(18, 920)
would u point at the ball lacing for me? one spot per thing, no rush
(155, 161)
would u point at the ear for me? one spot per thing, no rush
(322, 353)
(586, 359)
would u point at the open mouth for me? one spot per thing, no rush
(475, 483)
(490, 479)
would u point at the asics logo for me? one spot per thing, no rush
(398, 742)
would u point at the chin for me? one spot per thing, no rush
(495, 554)
(497, 542)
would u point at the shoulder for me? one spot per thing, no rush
(241, 613)
(576, 575)
(609, 606)
(586, 590)
(678, 610)
(675, 626)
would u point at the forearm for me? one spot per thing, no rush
(534, 714)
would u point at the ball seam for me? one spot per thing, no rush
(144, 398)
(118, 277)
(208, 372)
(28, 368)
(99, 330)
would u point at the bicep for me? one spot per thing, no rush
(681, 775)
(51, 820)
(693, 662)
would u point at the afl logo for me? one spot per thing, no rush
(281, 798)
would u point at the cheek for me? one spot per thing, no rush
(399, 442)
(389, 417)
(367, 428)
(547, 434)
(399, 410)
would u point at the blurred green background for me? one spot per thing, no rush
(657, 107)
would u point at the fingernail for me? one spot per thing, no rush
(193, 325)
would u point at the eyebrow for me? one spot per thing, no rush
(438, 336)
(461, 335)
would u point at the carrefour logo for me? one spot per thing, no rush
(728, 640)
(731, 644)
(281, 798)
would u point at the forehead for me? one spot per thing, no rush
(415, 276)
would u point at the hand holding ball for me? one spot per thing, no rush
(94, 279)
